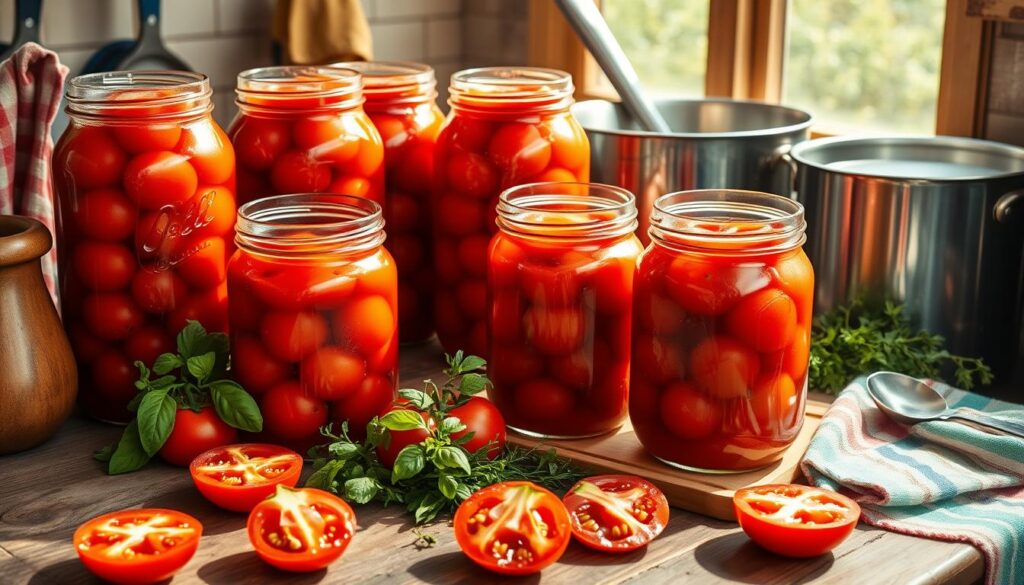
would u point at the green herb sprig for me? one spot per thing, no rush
(194, 378)
(858, 339)
(437, 474)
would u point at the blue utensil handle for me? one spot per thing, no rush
(149, 9)
(29, 9)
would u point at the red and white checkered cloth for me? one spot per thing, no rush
(31, 83)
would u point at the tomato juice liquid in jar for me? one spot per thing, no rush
(721, 335)
(313, 314)
(508, 126)
(302, 129)
(401, 102)
(561, 290)
(145, 184)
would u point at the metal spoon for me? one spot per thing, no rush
(909, 400)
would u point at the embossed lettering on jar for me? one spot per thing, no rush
(145, 183)
(721, 335)
(508, 126)
(302, 129)
(313, 314)
(401, 102)
(561, 284)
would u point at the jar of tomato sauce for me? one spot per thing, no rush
(508, 126)
(401, 102)
(313, 313)
(722, 325)
(302, 129)
(561, 281)
(145, 183)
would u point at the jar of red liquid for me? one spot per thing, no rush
(561, 282)
(313, 313)
(145, 184)
(302, 129)
(722, 325)
(401, 101)
(508, 126)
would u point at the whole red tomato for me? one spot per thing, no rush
(195, 432)
(483, 419)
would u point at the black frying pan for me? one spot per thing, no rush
(146, 52)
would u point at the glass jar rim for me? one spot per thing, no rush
(299, 87)
(125, 92)
(728, 221)
(394, 81)
(543, 210)
(534, 88)
(309, 224)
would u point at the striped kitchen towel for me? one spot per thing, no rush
(31, 82)
(942, 480)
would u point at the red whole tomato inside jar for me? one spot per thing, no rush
(401, 102)
(721, 330)
(302, 129)
(508, 126)
(561, 284)
(145, 185)
(313, 314)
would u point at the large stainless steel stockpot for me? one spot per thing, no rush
(715, 144)
(933, 222)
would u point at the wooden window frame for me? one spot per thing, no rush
(746, 50)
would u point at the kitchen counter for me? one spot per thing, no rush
(47, 492)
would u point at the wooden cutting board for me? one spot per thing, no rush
(708, 494)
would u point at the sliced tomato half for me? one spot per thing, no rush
(237, 477)
(795, 520)
(302, 529)
(137, 547)
(512, 528)
(616, 513)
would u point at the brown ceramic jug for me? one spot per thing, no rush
(38, 381)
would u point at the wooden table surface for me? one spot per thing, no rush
(47, 492)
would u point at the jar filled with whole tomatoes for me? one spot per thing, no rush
(145, 184)
(313, 313)
(401, 101)
(508, 126)
(561, 293)
(721, 335)
(302, 129)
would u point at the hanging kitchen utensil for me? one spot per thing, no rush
(26, 14)
(146, 52)
(586, 20)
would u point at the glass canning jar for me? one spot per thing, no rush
(721, 335)
(561, 290)
(302, 129)
(508, 126)
(313, 313)
(145, 185)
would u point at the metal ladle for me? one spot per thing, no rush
(909, 400)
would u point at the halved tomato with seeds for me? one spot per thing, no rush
(302, 529)
(512, 528)
(616, 513)
(795, 520)
(137, 547)
(237, 477)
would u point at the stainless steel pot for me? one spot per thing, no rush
(714, 144)
(933, 222)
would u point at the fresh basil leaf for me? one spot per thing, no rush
(463, 492)
(188, 339)
(376, 434)
(323, 478)
(343, 450)
(472, 363)
(166, 363)
(235, 406)
(417, 398)
(354, 470)
(410, 461)
(472, 384)
(155, 420)
(448, 486)
(104, 453)
(201, 366)
(402, 420)
(361, 489)
(429, 507)
(452, 457)
(218, 344)
(163, 382)
(133, 404)
(452, 424)
(129, 454)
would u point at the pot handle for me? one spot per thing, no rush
(781, 160)
(1010, 207)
